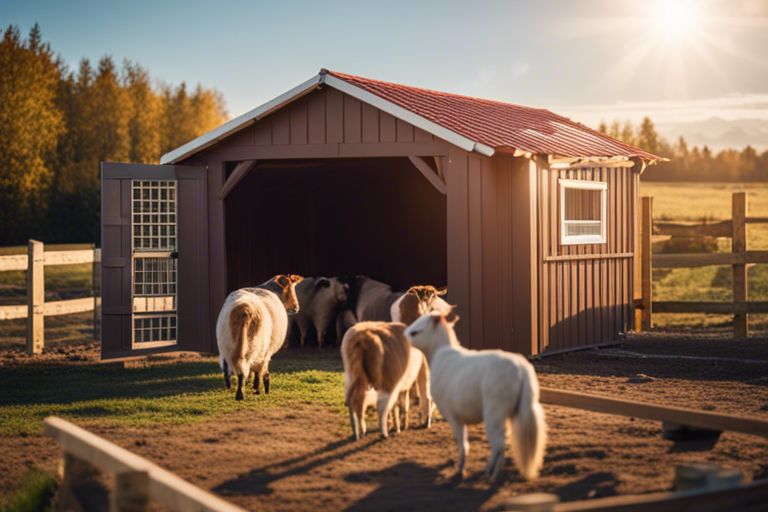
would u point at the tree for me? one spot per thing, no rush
(30, 125)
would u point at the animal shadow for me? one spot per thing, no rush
(258, 480)
(411, 486)
(596, 485)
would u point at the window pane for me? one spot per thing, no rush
(582, 204)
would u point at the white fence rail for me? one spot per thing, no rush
(138, 482)
(36, 309)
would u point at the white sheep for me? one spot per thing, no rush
(490, 386)
(251, 328)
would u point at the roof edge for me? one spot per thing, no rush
(238, 123)
(406, 115)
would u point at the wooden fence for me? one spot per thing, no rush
(137, 482)
(36, 309)
(738, 258)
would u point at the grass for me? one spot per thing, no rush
(163, 392)
(695, 202)
(32, 493)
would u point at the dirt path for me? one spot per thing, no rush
(302, 458)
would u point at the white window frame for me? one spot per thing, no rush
(602, 186)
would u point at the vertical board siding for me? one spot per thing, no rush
(586, 291)
(475, 213)
(458, 238)
(328, 116)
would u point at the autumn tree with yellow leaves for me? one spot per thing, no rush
(56, 125)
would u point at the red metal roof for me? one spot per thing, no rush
(501, 126)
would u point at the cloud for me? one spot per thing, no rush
(731, 107)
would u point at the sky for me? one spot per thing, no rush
(676, 60)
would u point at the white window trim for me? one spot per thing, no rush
(583, 185)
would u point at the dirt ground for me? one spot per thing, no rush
(303, 459)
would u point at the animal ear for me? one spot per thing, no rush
(441, 291)
(295, 278)
(282, 280)
(322, 283)
(452, 317)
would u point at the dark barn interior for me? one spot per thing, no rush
(374, 216)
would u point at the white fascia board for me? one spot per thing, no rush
(240, 122)
(406, 115)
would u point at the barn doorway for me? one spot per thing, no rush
(374, 216)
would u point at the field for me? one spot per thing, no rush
(291, 450)
(697, 202)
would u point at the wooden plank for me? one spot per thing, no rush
(370, 124)
(741, 497)
(238, 173)
(131, 493)
(428, 173)
(756, 220)
(645, 262)
(13, 262)
(352, 120)
(739, 247)
(69, 306)
(710, 307)
(705, 259)
(13, 312)
(678, 415)
(722, 228)
(298, 118)
(316, 118)
(475, 233)
(35, 297)
(164, 487)
(590, 257)
(96, 289)
(68, 257)
(61, 307)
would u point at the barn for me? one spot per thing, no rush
(529, 218)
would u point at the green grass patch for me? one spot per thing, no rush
(164, 393)
(695, 202)
(33, 493)
(61, 282)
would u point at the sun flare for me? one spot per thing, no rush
(677, 20)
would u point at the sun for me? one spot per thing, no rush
(676, 20)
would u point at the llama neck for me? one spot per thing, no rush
(445, 338)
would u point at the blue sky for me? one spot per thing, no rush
(588, 58)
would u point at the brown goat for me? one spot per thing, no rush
(375, 355)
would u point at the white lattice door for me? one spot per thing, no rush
(154, 259)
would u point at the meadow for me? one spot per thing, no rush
(697, 202)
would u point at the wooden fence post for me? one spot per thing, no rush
(35, 297)
(96, 293)
(646, 268)
(79, 481)
(131, 492)
(739, 245)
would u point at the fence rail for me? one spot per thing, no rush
(36, 309)
(137, 481)
(738, 259)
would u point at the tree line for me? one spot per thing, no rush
(57, 125)
(689, 163)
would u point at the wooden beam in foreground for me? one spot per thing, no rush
(741, 497)
(164, 487)
(678, 415)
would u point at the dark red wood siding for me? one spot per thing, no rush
(586, 290)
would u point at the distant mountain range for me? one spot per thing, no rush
(718, 133)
